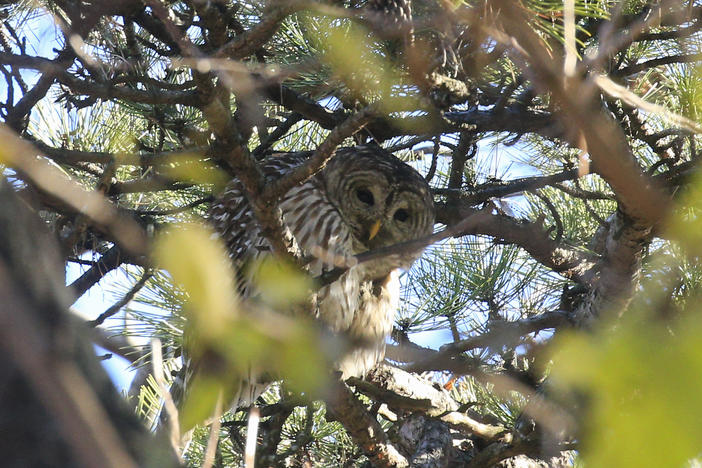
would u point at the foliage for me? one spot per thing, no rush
(564, 320)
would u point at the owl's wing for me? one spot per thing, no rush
(233, 219)
(314, 223)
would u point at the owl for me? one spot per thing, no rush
(392, 11)
(363, 199)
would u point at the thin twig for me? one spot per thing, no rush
(251, 436)
(126, 299)
(485, 192)
(168, 403)
(176, 210)
(554, 212)
(434, 159)
(213, 439)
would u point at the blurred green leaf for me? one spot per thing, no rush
(228, 341)
(685, 226)
(199, 262)
(280, 283)
(643, 380)
(360, 64)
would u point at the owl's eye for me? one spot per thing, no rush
(365, 196)
(401, 215)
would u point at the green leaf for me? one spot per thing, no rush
(643, 381)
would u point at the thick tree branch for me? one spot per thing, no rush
(624, 243)
(363, 428)
(402, 390)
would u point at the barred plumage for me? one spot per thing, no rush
(363, 199)
(395, 11)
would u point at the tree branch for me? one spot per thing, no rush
(571, 262)
(126, 299)
(401, 390)
(657, 62)
(363, 428)
(109, 261)
(590, 129)
(483, 193)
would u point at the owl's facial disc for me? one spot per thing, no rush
(381, 200)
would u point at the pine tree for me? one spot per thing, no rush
(554, 321)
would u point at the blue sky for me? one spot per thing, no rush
(92, 304)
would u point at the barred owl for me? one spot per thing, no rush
(363, 199)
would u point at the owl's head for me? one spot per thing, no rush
(383, 200)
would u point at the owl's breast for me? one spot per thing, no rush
(371, 325)
(356, 305)
(378, 301)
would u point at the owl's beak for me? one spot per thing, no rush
(374, 230)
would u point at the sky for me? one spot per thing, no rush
(90, 306)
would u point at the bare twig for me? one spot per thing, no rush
(126, 299)
(177, 210)
(251, 436)
(168, 403)
(213, 439)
